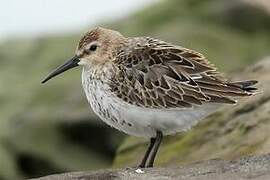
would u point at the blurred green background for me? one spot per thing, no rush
(47, 129)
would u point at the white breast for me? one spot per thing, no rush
(138, 121)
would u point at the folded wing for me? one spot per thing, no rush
(156, 74)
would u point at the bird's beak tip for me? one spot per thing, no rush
(73, 62)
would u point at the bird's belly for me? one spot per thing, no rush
(145, 121)
(139, 121)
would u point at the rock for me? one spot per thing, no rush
(264, 4)
(230, 133)
(252, 167)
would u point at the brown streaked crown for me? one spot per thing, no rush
(89, 37)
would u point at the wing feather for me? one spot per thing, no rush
(156, 74)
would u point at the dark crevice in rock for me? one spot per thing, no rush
(99, 138)
(34, 166)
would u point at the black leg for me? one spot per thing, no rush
(155, 149)
(146, 155)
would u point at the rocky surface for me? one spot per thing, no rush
(264, 4)
(248, 168)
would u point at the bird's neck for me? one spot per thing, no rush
(99, 72)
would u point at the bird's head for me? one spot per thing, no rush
(97, 46)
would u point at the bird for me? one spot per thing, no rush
(149, 88)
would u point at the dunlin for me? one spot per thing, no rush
(147, 87)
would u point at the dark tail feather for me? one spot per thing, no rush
(246, 85)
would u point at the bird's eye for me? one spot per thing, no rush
(93, 47)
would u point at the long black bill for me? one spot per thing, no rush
(73, 62)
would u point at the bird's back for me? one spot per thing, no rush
(156, 74)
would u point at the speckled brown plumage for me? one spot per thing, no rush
(156, 74)
(89, 37)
